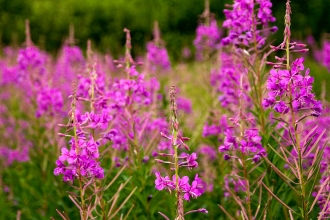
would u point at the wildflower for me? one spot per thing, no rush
(163, 182)
(196, 189)
(207, 38)
(158, 57)
(242, 23)
(292, 83)
(191, 161)
(81, 157)
(49, 102)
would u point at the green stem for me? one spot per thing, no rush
(245, 173)
(175, 131)
(259, 78)
(297, 139)
(81, 190)
(176, 167)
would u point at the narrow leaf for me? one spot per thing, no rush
(123, 203)
(278, 154)
(75, 202)
(61, 215)
(164, 216)
(282, 175)
(278, 199)
(259, 201)
(224, 210)
(114, 179)
(318, 194)
(291, 217)
(324, 208)
(316, 143)
(129, 211)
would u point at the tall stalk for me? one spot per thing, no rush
(287, 34)
(83, 211)
(175, 129)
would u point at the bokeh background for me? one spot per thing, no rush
(103, 21)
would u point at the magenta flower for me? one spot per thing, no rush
(158, 57)
(163, 182)
(286, 83)
(208, 151)
(191, 160)
(241, 22)
(184, 104)
(196, 189)
(207, 38)
(250, 144)
(31, 59)
(226, 80)
(49, 102)
(183, 182)
(82, 156)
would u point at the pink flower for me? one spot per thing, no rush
(196, 189)
(163, 182)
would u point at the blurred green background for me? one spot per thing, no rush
(103, 21)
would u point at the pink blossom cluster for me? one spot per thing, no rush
(157, 57)
(243, 22)
(250, 144)
(207, 38)
(283, 84)
(80, 159)
(194, 190)
(227, 81)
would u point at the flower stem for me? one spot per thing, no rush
(83, 213)
(245, 173)
(259, 82)
(175, 129)
(296, 135)
(81, 190)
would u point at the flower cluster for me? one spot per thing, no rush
(250, 144)
(238, 185)
(291, 85)
(49, 101)
(30, 73)
(95, 120)
(227, 79)
(80, 159)
(10, 75)
(208, 152)
(118, 139)
(215, 129)
(31, 59)
(207, 38)
(31, 70)
(242, 22)
(158, 57)
(72, 55)
(181, 186)
(325, 54)
(10, 155)
(69, 63)
(184, 104)
(194, 190)
(84, 85)
(125, 92)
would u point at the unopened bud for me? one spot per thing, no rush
(226, 157)
(186, 146)
(203, 210)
